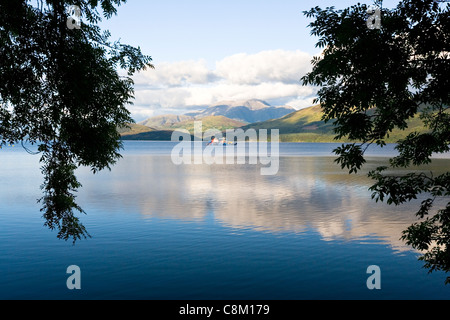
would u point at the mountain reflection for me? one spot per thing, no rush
(308, 193)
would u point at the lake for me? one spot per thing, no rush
(166, 231)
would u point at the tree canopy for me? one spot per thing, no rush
(372, 80)
(61, 89)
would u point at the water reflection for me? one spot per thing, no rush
(307, 193)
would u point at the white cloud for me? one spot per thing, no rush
(300, 102)
(266, 66)
(231, 91)
(268, 75)
(176, 74)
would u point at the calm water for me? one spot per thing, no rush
(161, 231)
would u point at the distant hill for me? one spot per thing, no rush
(134, 128)
(306, 125)
(164, 121)
(209, 122)
(248, 111)
(164, 132)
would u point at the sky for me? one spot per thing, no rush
(208, 51)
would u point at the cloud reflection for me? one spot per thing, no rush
(308, 193)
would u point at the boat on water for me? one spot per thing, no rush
(222, 142)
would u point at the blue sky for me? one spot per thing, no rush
(208, 51)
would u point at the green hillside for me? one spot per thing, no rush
(133, 129)
(306, 125)
(307, 120)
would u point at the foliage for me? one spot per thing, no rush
(375, 80)
(60, 88)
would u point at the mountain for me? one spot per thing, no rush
(306, 125)
(248, 111)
